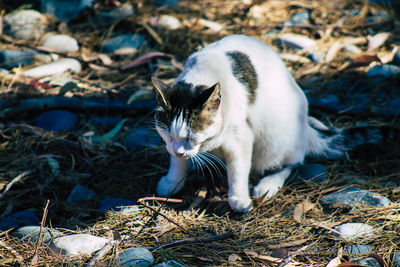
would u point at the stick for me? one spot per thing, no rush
(15, 180)
(163, 199)
(193, 241)
(100, 254)
(290, 258)
(34, 259)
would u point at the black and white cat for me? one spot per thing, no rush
(236, 99)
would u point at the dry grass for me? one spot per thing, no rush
(111, 169)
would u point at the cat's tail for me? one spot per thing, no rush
(333, 143)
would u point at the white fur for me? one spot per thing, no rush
(270, 133)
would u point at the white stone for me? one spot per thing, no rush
(61, 43)
(54, 68)
(169, 22)
(77, 244)
(297, 41)
(354, 230)
(26, 24)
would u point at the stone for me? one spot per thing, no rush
(31, 233)
(107, 17)
(331, 98)
(166, 3)
(114, 204)
(136, 257)
(129, 209)
(368, 262)
(27, 24)
(170, 263)
(77, 244)
(54, 68)
(296, 41)
(358, 249)
(142, 137)
(104, 120)
(353, 231)
(13, 58)
(123, 44)
(18, 218)
(79, 193)
(56, 120)
(353, 197)
(65, 9)
(61, 43)
(169, 22)
(385, 70)
(316, 173)
(299, 18)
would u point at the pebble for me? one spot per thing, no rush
(112, 15)
(170, 263)
(57, 120)
(114, 204)
(358, 249)
(299, 18)
(166, 3)
(385, 70)
(25, 24)
(136, 257)
(77, 244)
(142, 137)
(353, 197)
(13, 58)
(316, 173)
(61, 43)
(123, 44)
(31, 233)
(79, 193)
(354, 230)
(391, 108)
(169, 22)
(18, 218)
(368, 262)
(65, 9)
(104, 120)
(54, 68)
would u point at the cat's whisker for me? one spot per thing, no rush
(197, 164)
(205, 162)
(212, 165)
(217, 159)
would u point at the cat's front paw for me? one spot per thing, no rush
(166, 187)
(268, 187)
(240, 204)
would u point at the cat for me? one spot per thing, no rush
(236, 99)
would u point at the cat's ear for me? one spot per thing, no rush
(214, 100)
(162, 90)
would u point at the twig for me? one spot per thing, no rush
(15, 180)
(100, 254)
(168, 219)
(153, 33)
(163, 199)
(17, 256)
(290, 258)
(193, 241)
(34, 259)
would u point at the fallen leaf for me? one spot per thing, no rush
(301, 209)
(377, 40)
(363, 60)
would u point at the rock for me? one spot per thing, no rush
(169, 22)
(136, 257)
(25, 24)
(386, 70)
(107, 17)
(77, 244)
(166, 3)
(368, 262)
(299, 18)
(123, 44)
(65, 9)
(31, 233)
(61, 43)
(54, 68)
(316, 173)
(57, 120)
(129, 209)
(79, 193)
(358, 249)
(114, 204)
(331, 98)
(12, 58)
(104, 121)
(170, 263)
(142, 137)
(353, 197)
(391, 108)
(354, 230)
(18, 218)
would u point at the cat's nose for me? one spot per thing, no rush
(179, 154)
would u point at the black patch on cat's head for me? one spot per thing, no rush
(244, 72)
(198, 103)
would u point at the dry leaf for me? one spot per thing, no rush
(301, 209)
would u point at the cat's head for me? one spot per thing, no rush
(187, 116)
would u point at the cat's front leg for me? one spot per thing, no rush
(238, 162)
(174, 181)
